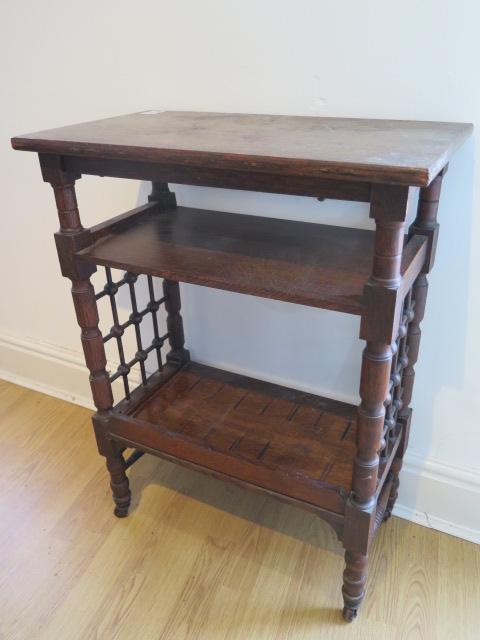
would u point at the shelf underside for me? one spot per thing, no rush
(311, 264)
(292, 443)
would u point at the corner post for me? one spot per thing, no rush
(425, 224)
(71, 238)
(162, 194)
(378, 328)
(177, 355)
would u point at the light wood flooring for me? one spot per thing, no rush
(196, 558)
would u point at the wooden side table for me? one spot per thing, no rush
(339, 461)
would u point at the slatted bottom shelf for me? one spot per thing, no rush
(292, 443)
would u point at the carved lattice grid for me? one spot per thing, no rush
(393, 402)
(118, 328)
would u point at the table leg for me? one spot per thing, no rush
(72, 237)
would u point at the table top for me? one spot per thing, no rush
(389, 151)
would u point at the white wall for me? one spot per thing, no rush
(65, 62)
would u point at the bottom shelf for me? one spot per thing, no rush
(294, 444)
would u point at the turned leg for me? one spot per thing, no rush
(119, 484)
(415, 310)
(425, 224)
(177, 354)
(354, 578)
(392, 498)
(361, 507)
(171, 289)
(92, 341)
(379, 327)
(396, 405)
(71, 238)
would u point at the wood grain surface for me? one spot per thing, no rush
(399, 152)
(195, 559)
(292, 443)
(312, 264)
(316, 265)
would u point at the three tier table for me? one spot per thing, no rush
(339, 461)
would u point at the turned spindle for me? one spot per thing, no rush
(72, 237)
(378, 328)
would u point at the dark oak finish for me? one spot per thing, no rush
(289, 442)
(294, 185)
(312, 264)
(390, 151)
(354, 579)
(335, 460)
(87, 316)
(425, 225)
(121, 222)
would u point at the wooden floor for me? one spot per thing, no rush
(195, 559)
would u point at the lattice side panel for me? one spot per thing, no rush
(136, 367)
(393, 402)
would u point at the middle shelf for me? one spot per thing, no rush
(311, 264)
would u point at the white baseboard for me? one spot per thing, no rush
(43, 367)
(53, 370)
(440, 495)
(434, 493)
